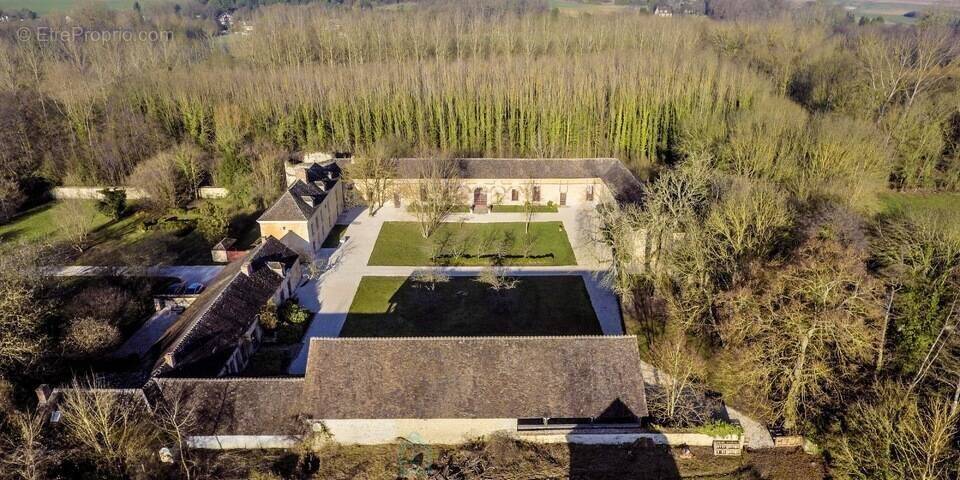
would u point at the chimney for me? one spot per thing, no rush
(168, 360)
(44, 394)
(247, 268)
(330, 175)
(322, 186)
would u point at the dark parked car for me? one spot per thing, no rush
(175, 289)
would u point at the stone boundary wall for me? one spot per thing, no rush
(93, 193)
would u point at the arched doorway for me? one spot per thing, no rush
(479, 197)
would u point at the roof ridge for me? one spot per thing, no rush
(228, 379)
(485, 337)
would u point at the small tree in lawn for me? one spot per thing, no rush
(529, 206)
(430, 278)
(77, 219)
(372, 172)
(497, 279)
(436, 193)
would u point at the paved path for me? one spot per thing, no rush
(187, 274)
(332, 294)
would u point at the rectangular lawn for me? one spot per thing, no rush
(401, 244)
(402, 307)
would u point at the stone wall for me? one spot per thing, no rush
(93, 193)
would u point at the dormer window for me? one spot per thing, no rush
(309, 200)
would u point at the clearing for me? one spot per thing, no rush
(473, 244)
(463, 306)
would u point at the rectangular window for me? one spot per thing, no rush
(514, 195)
(589, 193)
(536, 193)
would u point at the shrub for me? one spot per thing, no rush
(293, 313)
(719, 428)
(213, 221)
(89, 336)
(268, 316)
(113, 204)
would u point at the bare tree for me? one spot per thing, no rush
(617, 230)
(497, 279)
(372, 173)
(77, 220)
(430, 278)
(677, 397)
(177, 421)
(436, 192)
(27, 456)
(113, 425)
(896, 435)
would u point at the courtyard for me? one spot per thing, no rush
(372, 283)
(465, 306)
(472, 244)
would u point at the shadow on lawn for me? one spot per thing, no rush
(464, 306)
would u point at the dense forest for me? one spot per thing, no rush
(768, 134)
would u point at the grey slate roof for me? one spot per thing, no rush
(202, 338)
(476, 377)
(291, 206)
(238, 406)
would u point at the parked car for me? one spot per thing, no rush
(194, 289)
(175, 289)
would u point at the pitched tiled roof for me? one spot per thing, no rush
(291, 206)
(478, 377)
(202, 338)
(614, 174)
(238, 406)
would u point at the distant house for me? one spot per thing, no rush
(306, 212)
(662, 11)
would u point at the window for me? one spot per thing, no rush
(514, 195)
(536, 193)
(589, 193)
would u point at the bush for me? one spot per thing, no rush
(89, 336)
(213, 221)
(268, 316)
(719, 428)
(113, 204)
(293, 313)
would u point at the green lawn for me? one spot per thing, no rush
(333, 238)
(401, 244)
(48, 6)
(399, 306)
(39, 225)
(121, 242)
(946, 205)
(519, 209)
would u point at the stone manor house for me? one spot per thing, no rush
(376, 390)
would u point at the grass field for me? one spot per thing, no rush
(401, 307)
(519, 209)
(39, 225)
(44, 7)
(125, 241)
(400, 244)
(941, 204)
